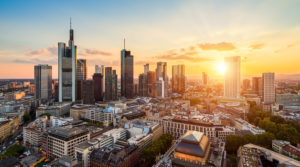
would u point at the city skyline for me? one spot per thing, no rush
(202, 38)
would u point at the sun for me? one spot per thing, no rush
(221, 68)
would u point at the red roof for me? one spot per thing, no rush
(292, 150)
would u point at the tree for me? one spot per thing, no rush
(13, 151)
(26, 118)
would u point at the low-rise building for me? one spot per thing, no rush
(192, 150)
(58, 109)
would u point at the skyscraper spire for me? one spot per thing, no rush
(71, 41)
(70, 22)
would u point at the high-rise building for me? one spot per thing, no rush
(81, 69)
(115, 85)
(111, 84)
(246, 84)
(257, 85)
(143, 85)
(126, 74)
(268, 82)
(101, 69)
(98, 86)
(178, 78)
(43, 83)
(87, 92)
(204, 78)
(150, 83)
(146, 69)
(161, 72)
(67, 69)
(232, 77)
(159, 89)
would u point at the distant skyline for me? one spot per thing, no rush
(196, 33)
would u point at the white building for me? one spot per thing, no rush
(119, 133)
(232, 77)
(268, 80)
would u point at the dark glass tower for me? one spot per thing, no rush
(126, 73)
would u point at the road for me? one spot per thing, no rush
(166, 156)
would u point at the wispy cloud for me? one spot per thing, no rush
(91, 52)
(222, 46)
(257, 46)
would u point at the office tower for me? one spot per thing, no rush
(146, 69)
(161, 72)
(67, 69)
(115, 85)
(204, 78)
(81, 69)
(178, 78)
(43, 83)
(159, 88)
(232, 77)
(98, 84)
(87, 92)
(111, 84)
(246, 84)
(268, 82)
(97, 69)
(108, 83)
(151, 83)
(257, 85)
(143, 85)
(126, 73)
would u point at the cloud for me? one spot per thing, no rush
(257, 46)
(91, 52)
(191, 56)
(222, 46)
(35, 61)
(291, 45)
(50, 51)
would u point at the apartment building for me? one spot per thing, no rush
(62, 140)
(178, 127)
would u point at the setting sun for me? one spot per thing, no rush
(221, 68)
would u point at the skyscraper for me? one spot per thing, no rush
(257, 85)
(98, 84)
(268, 82)
(146, 69)
(87, 92)
(111, 84)
(81, 69)
(115, 85)
(143, 85)
(204, 78)
(150, 83)
(161, 72)
(232, 77)
(246, 84)
(101, 70)
(126, 73)
(43, 83)
(178, 78)
(67, 69)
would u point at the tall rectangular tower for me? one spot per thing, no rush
(126, 74)
(67, 69)
(81, 69)
(178, 78)
(161, 73)
(268, 82)
(43, 83)
(232, 77)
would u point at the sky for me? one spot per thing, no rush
(199, 34)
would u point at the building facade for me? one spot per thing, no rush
(232, 77)
(178, 78)
(67, 69)
(98, 86)
(268, 80)
(127, 75)
(43, 83)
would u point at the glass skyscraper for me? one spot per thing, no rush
(126, 74)
(67, 69)
(43, 83)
